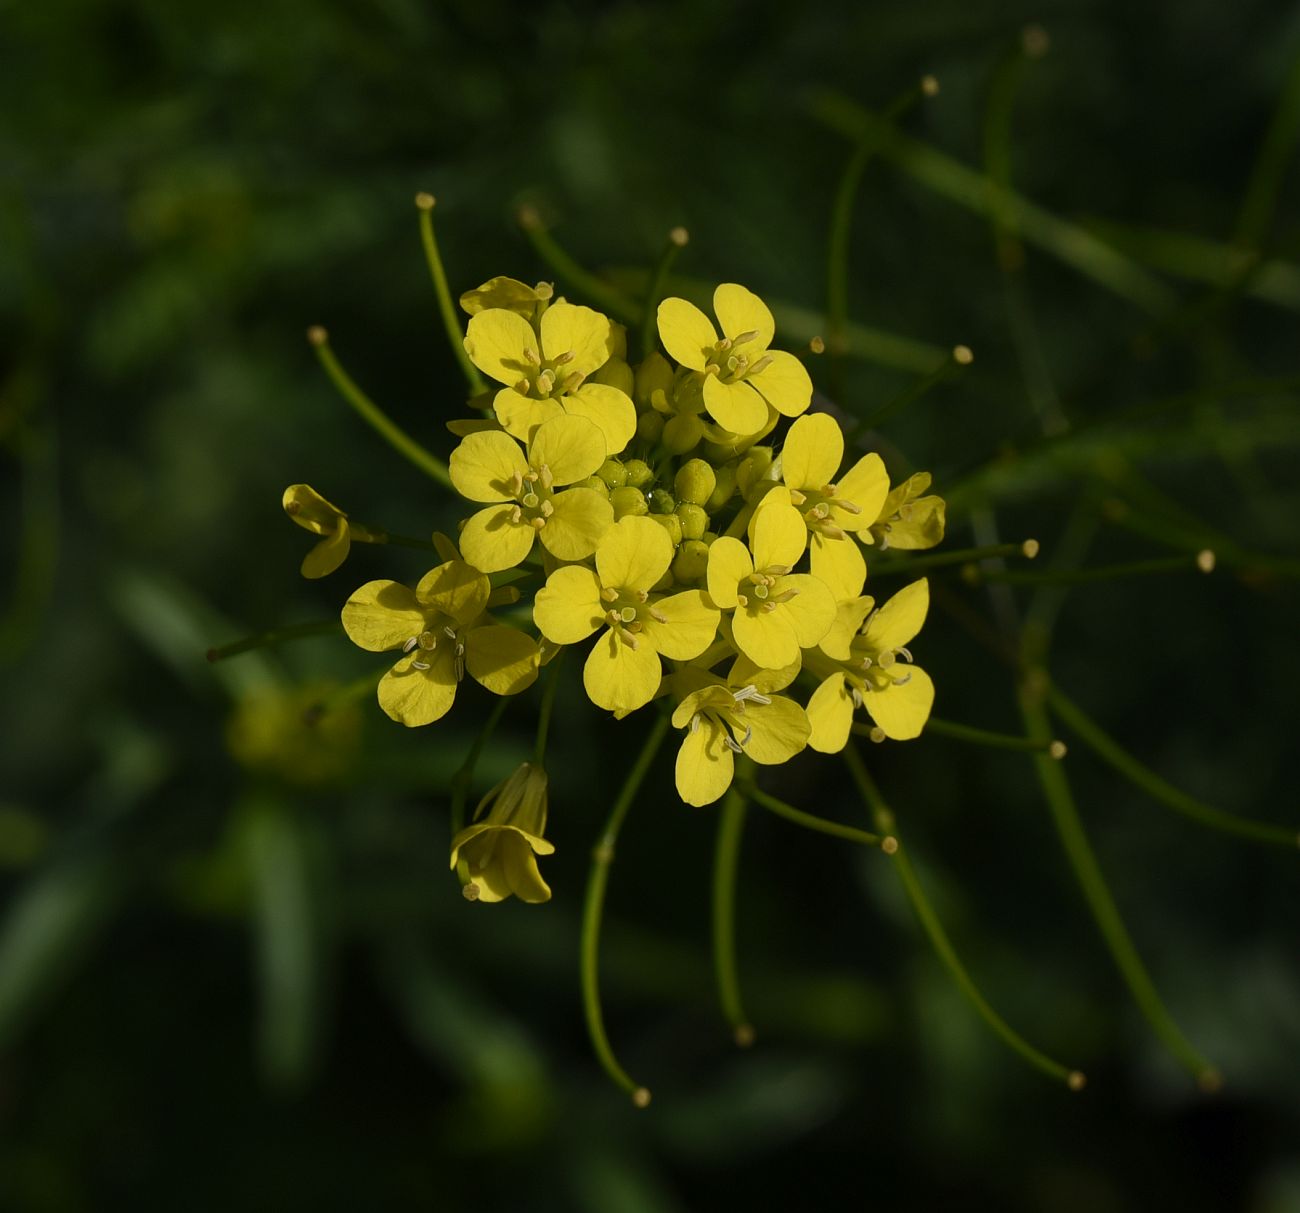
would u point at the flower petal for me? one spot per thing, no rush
(729, 563)
(310, 510)
(767, 638)
(849, 614)
(900, 618)
(777, 533)
(618, 677)
(866, 484)
(491, 541)
(456, 589)
(737, 407)
(705, 765)
(417, 697)
(901, 711)
(811, 611)
(569, 328)
(484, 465)
(572, 447)
(744, 673)
(496, 341)
(812, 453)
(580, 520)
(568, 607)
(520, 864)
(607, 408)
(634, 553)
(830, 715)
(382, 615)
(839, 564)
(686, 332)
(778, 730)
(689, 626)
(739, 311)
(503, 659)
(329, 553)
(784, 383)
(521, 415)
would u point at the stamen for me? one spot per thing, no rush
(732, 744)
(609, 594)
(905, 652)
(516, 485)
(547, 477)
(849, 507)
(546, 382)
(419, 665)
(856, 696)
(449, 632)
(797, 498)
(530, 357)
(657, 615)
(516, 515)
(777, 570)
(537, 523)
(761, 365)
(695, 722)
(572, 383)
(522, 387)
(741, 600)
(904, 680)
(410, 644)
(768, 607)
(828, 530)
(613, 618)
(784, 596)
(564, 358)
(750, 694)
(630, 640)
(547, 509)
(642, 596)
(744, 338)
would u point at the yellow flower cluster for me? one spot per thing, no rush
(656, 512)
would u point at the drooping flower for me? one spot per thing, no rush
(742, 715)
(507, 293)
(500, 852)
(547, 370)
(443, 630)
(835, 511)
(622, 672)
(741, 375)
(490, 467)
(313, 513)
(908, 520)
(776, 612)
(870, 666)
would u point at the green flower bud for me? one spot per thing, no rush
(725, 478)
(628, 502)
(693, 519)
(709, 537)
(661, 502)
(639, 473)
(691, 563)
(695, 481)
(671, 524)
(650, 427)
(613, 473)
(753, 468)
(683, 433)
(594, 482)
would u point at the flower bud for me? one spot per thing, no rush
(725, 486)
(683, 433)
(594, 482)
(650, 427)
(613, 473)
(693, 519)
(753, 468)
(639, 473)
(661, 501)
(628, 502)
(695, 481)
(691, 563)
(672, 524)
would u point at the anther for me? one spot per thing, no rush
(564, 358)
(410, 644)
(547, 509)
(796, 497)
(1030, 548)
(1058, 750)
(530, 357)
(963, 355)
(744, 338)
(546, 382)
(768, 607)
(732, 744)
(631, 641)
(761, 365)
(516, 485)
(856, 695)
(877, 734)
(829, 530)
(849, 507)
(537, 523)
(609, 594)
(904, 652)
(657, 615)
(547, 477)
(419, 665)
(643, 596)
(695, 723)
(449, 632)
(741, 600)
(613, 618)
(1205, 560)
(516, 515)
(750, 694)
(470, 891)
(784, 596)
(903, 680)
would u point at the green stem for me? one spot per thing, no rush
(548, 706)
(567, 269)
(375, 535)
(1270, 165)
(809, 822)
(1056, 790)
(450, 321)
(266, 640)
(726, 856)
(998, 741)
(373, 415)
(884, 821)
(677, 240)
(602, 856)
(463, 780)
(1113, 754)
(911, 564)
(957, 361)
(1109, 572)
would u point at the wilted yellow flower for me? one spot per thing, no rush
(741, 376)
(547, 371)
(313, 513)
(500, 852)
(864, 662)
(776, 612)
(508, 293)
(622, 671)
(490, 467)
(443, 630)
(908, 520)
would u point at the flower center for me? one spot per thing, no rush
(870, 670)
(626, 611)
(761, 590)
(730, 362)
(818, 507)
(547, 377)
(727, 710)
(440, 635)
(533, 491)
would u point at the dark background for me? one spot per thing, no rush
(235, 973)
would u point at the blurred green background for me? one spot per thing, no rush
(252, 984)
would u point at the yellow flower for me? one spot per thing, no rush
(908, 520)
(443, 630)
(777, 613)
(834, 511)
(508, 293)
(547, 371)
(870, 666)
(501, 851)
(741, 375)
(313, 513)
(739, 716)
(622, 671)
(490, 467)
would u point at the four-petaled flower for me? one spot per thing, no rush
(490, 467)
(908, 519)
(741, 376)
(864, 662)
(443, 630)
(776, 612)
(622, 671)
(500, 852)
(546, 371)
